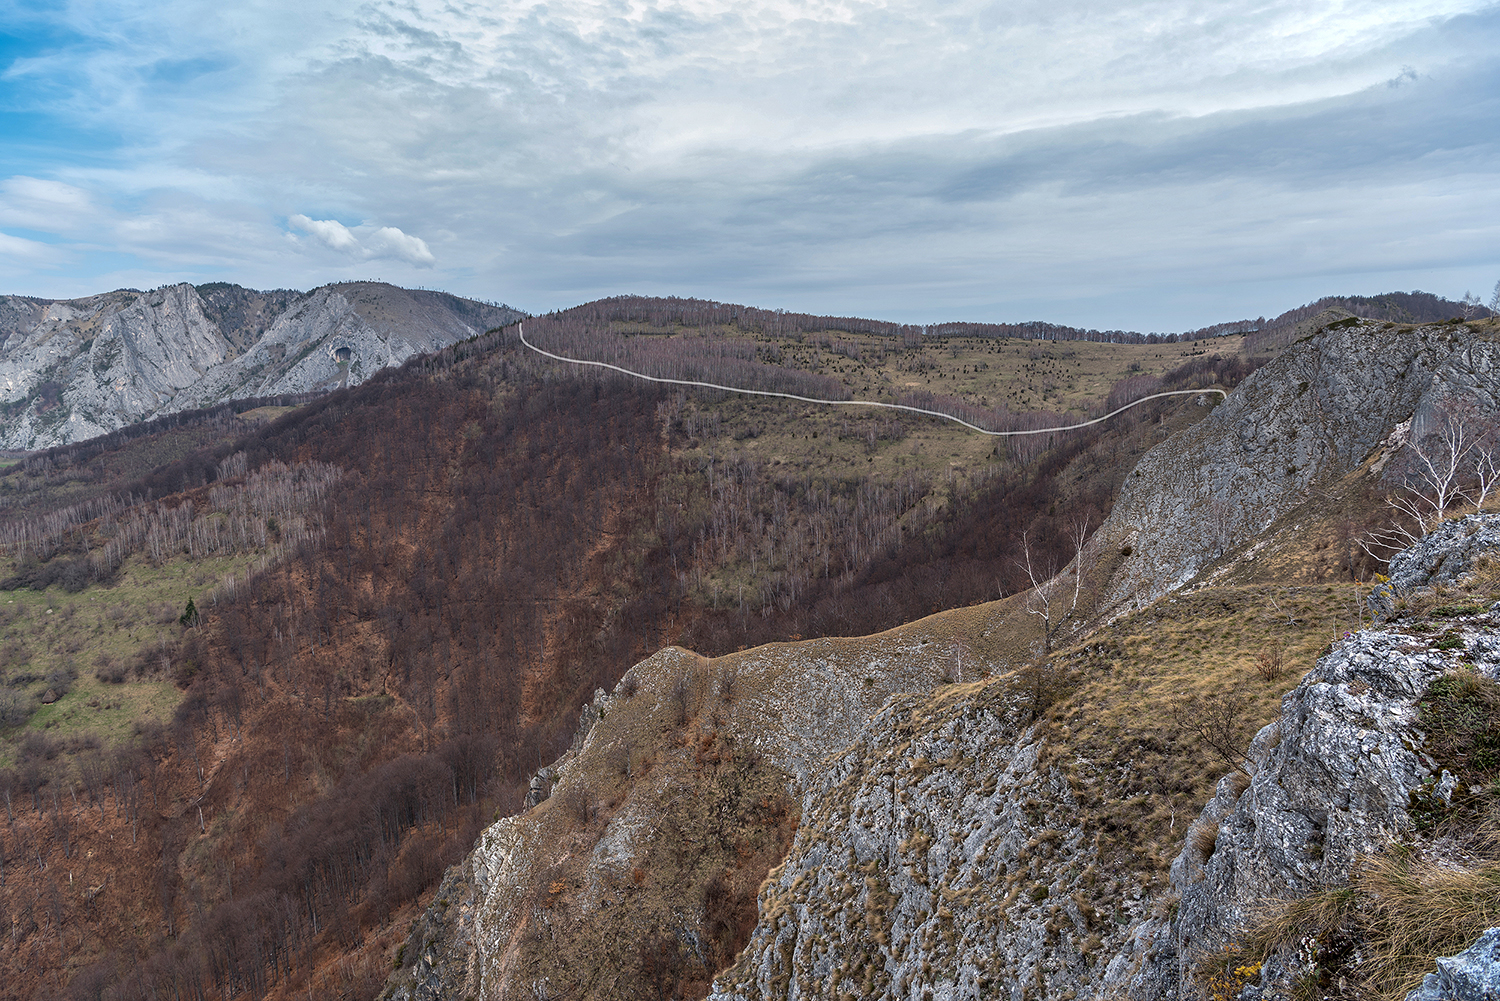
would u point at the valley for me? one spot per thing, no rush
(835, 739)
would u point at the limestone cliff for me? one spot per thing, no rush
(75, 369)
(678, 795)
(1337, 777)
(938, 859)
(940, 856)
(1315, 413)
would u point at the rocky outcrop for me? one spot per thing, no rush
(71, 370)
(688, 773)
(1446, 554)
(937, 859)
(1320, 410)
(1333, 779)
(1472, 975)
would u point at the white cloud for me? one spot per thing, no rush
(388, 241)
(858, 156)
(48, 206)
(30, 251)
(330, 231)
(385, 242)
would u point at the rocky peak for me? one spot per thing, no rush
(74, 369)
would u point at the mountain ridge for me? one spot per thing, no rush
(75, 369)
(78, 368)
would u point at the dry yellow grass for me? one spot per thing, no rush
(1403, 908)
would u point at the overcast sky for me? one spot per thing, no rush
(1149, 166)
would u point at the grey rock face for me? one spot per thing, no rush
(1446, 554)
(1472, 975)
(1336, 785)
(1319, 410)
(794, 705)
(76, 369)
(936, 859)
(1330, 781)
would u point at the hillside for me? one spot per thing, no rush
(404, 590)
(75, 369)
(1011, 821)
(409, 586)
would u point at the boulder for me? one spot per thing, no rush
(1472, 975)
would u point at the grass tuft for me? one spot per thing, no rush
(1204, 839)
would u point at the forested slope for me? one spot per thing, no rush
(372, 673)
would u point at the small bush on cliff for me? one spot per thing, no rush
(1384, 930)
(1039, 686)
(1461, 715)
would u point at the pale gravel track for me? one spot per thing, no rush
(520, 327)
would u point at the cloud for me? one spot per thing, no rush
(331, 232)
(1146, 163)
(30, 251)
(386, 242)
(48, 206)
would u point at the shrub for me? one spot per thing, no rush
(1450, 611)
(1461, 714)
(678, 701)
(1039, 686)
(1221, 723)
(16, 706)
(726, 683)
(1398, 913)
(578, 803)
(1270, 664)
(109, 670)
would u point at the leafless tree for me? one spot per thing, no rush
(1080, 538)
(1039, 601)
(1221, 520)
(1453, 461)
(958, 648)
(1223, 723)
(1486, 468)
(1043, 600)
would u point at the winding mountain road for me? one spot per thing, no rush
(521, 328)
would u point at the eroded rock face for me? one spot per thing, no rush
(763, 723)
(1446, 554)
(1331, 780)
(80, 368)
(936, 860)
(1319, 410)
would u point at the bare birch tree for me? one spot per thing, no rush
(1456, 461)
(1039, 601)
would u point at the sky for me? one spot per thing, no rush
(1152, 166)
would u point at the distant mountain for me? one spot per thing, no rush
(76, 368)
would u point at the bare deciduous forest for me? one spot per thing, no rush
(466, 548)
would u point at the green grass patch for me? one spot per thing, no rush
(106, 642)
